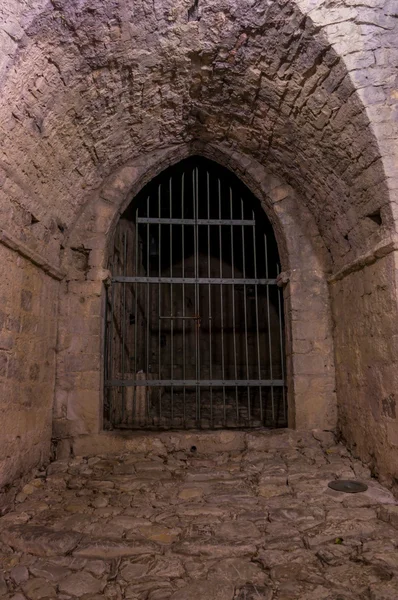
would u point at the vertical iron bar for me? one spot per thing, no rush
(222, 305)
(135, 314)
(282, 349)
(119, 323)
(183, 297)
(269, 333)
(245, 311)
(257, 319)
(124, 325)
(195, 304)
(160, 304)
(147, 285)
(233, 303)
(106, 346)
(209, 298)
(111, 390)
(171, 304)
(196, 270)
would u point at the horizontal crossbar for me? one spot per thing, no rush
(166, 221)
(196, 383)
(193, 280)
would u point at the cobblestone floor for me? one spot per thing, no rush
(186, 525)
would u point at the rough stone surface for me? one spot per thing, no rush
(366, 364)
(285, 73)
(231, 543)
(99, 96)
(27, 370)
(79, 584)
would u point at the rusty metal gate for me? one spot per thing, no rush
(194, 318)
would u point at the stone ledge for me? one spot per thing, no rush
(380, 251)
(13, 244)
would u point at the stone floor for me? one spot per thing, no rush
(181, 524)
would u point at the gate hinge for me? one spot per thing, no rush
(107, 278)
(283, 278)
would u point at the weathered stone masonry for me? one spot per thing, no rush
(299, 98)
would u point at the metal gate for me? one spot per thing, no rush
(194, 318)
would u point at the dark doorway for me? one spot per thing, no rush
(194, 318)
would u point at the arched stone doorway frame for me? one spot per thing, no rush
(308, 331)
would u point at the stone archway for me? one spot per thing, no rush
(310, 366)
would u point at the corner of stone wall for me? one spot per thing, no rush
(366, 348)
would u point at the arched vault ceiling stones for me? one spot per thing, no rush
(90, 84)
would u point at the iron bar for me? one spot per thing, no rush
(106, 339)
(136, 318)
(196, 382)
(171, 301)
(196, 288)
(245, 312)
(110, 398)
(221, 303)
(160, 300)
(178, 317)
(123, 326)
(196, 221)
(148, 315)
(183, 297)
(195, 280)
(209, 296)
(282, 351)
(269, 331)
(233, 304)
(257, 319)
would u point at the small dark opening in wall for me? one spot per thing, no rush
(33, 219)
(193, 12)
(80, 258)
(375, 217)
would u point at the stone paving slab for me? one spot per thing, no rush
(251, 521)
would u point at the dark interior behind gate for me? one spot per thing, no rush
(194, 318)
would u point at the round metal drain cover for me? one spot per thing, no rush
(349, 487)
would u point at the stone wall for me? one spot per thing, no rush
(366, 338)
(28, 317)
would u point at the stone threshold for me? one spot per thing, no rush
(210, 441)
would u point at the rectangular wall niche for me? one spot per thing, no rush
(194, 318)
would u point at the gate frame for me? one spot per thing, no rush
(310, 374)
(117, 380)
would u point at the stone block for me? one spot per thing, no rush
(389, 514)
(79, 584)
(217, 590)
(40, 541)
(208, 442)
(90, 445)
(198, 547)
(112, 549)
